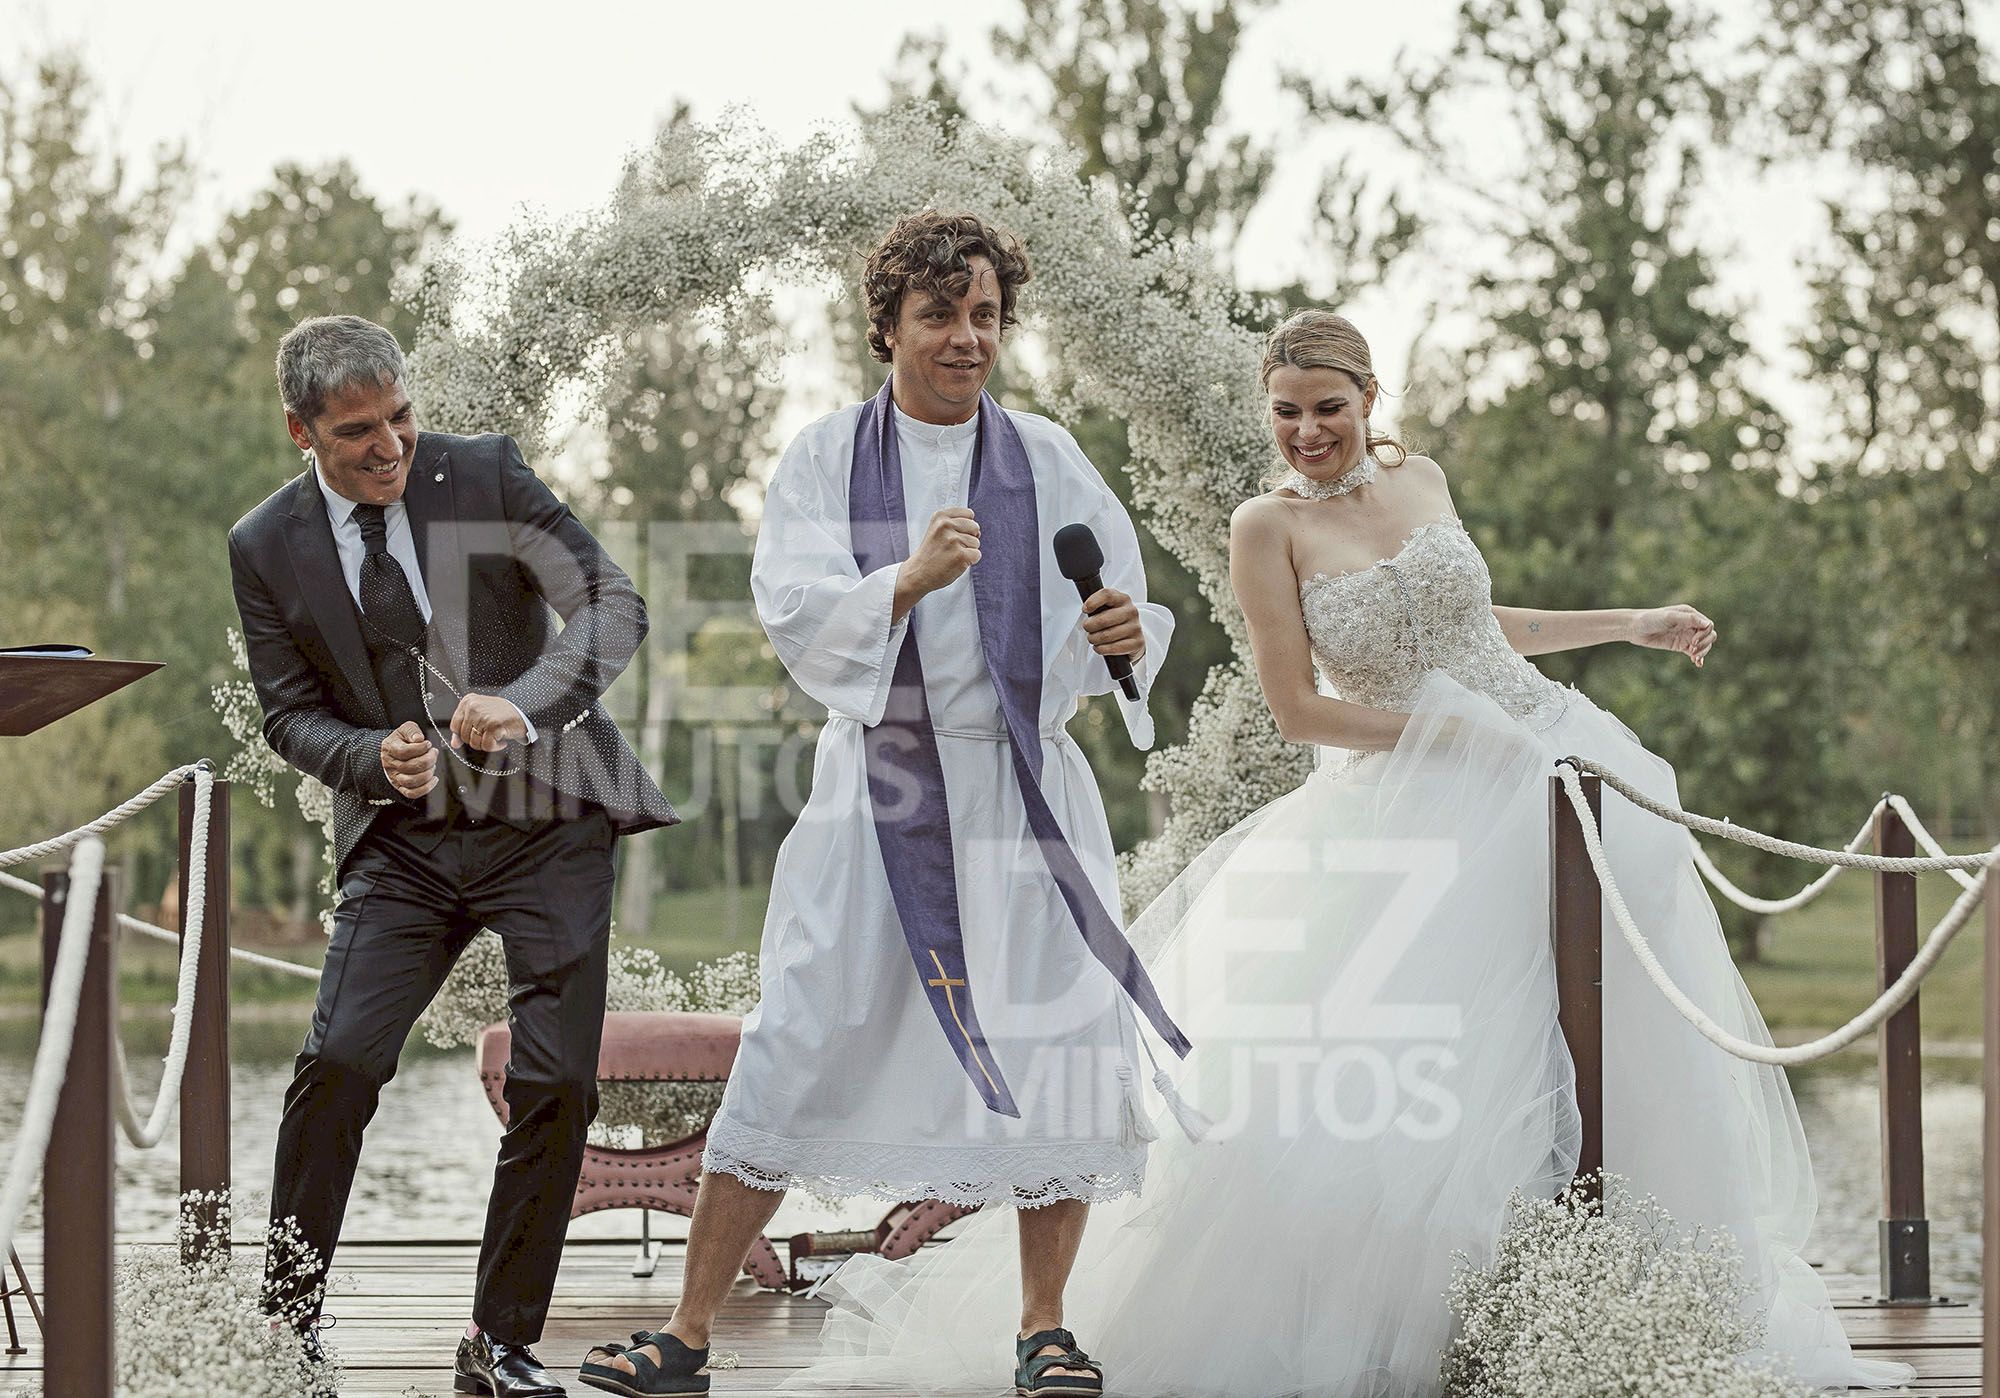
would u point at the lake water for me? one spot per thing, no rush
(425, 1172)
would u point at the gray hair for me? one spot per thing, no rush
(319, 357)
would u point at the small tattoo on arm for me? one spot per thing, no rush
(1534, 626)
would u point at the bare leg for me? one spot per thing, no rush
(729, 1217)
(1050, 1237)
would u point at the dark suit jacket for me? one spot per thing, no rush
(498, 551)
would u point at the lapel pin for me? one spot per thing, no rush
(439, 477)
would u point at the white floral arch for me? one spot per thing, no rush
(1142, 331)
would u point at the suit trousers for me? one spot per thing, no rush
(409, 904)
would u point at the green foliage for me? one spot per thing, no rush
(80, 235)
(1137, 88)
(1604, 438)
(1904, 334)
(138, 418)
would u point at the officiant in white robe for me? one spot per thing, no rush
(845, 1083)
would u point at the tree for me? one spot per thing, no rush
(1604, 436)
(1905, 331)
(81, 236)
(1137, 88)
(138, 418)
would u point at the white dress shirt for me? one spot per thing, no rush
(347, 541)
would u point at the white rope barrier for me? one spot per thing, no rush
(269, 963)
(1926, 839)
(1891, 999)
(112, 818)
(1769, 906)
(1844, 858)
(147, 1135)
(1722, 883)
(128, 923)
(59, 1014)
(86, 871)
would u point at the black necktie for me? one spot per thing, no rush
(386, 598)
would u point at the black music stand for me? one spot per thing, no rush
(36, 690)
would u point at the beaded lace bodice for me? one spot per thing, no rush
(1377, 631)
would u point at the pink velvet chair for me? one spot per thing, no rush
(675, 1047)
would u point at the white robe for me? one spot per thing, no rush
(845, 1083)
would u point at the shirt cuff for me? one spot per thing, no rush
(526, 722)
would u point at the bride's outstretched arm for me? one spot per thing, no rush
(1532, 631)
(1678, 628)
(1267, 588)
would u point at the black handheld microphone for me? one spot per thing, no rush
(1082, 562)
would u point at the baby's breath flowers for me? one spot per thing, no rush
(475, 995)
(199, 1327)
(1580, 1301)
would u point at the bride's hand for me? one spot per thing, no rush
(1679, 627)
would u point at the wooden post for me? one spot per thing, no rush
(1576, 916)
(205, 1087)
(77, 1178)
(1989, 1384)
(1903, 1230)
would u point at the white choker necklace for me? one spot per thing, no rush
(1353, 478)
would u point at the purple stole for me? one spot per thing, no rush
(905, 775)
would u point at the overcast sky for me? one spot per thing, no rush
(484, 108)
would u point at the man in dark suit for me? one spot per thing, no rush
(397, 607)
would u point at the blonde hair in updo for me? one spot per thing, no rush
(1316, 339)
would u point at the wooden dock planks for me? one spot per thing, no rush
(401, 1308)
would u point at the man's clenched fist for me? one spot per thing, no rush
(486, 722)
(410, 761)
(950, 546)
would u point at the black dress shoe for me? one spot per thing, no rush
(488, 1366)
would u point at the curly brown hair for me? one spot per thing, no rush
(929, 252)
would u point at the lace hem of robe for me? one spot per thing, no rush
(1026, 1175)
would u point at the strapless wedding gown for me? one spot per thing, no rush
(1364, 966)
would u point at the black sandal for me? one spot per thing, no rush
(1031, 1370)
(682, 1370)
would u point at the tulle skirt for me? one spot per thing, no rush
(1365, 968)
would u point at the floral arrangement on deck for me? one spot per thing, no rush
(475, 995)
(199, 1326)
(1611, 1301)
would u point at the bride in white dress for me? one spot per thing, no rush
(1365, 970)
